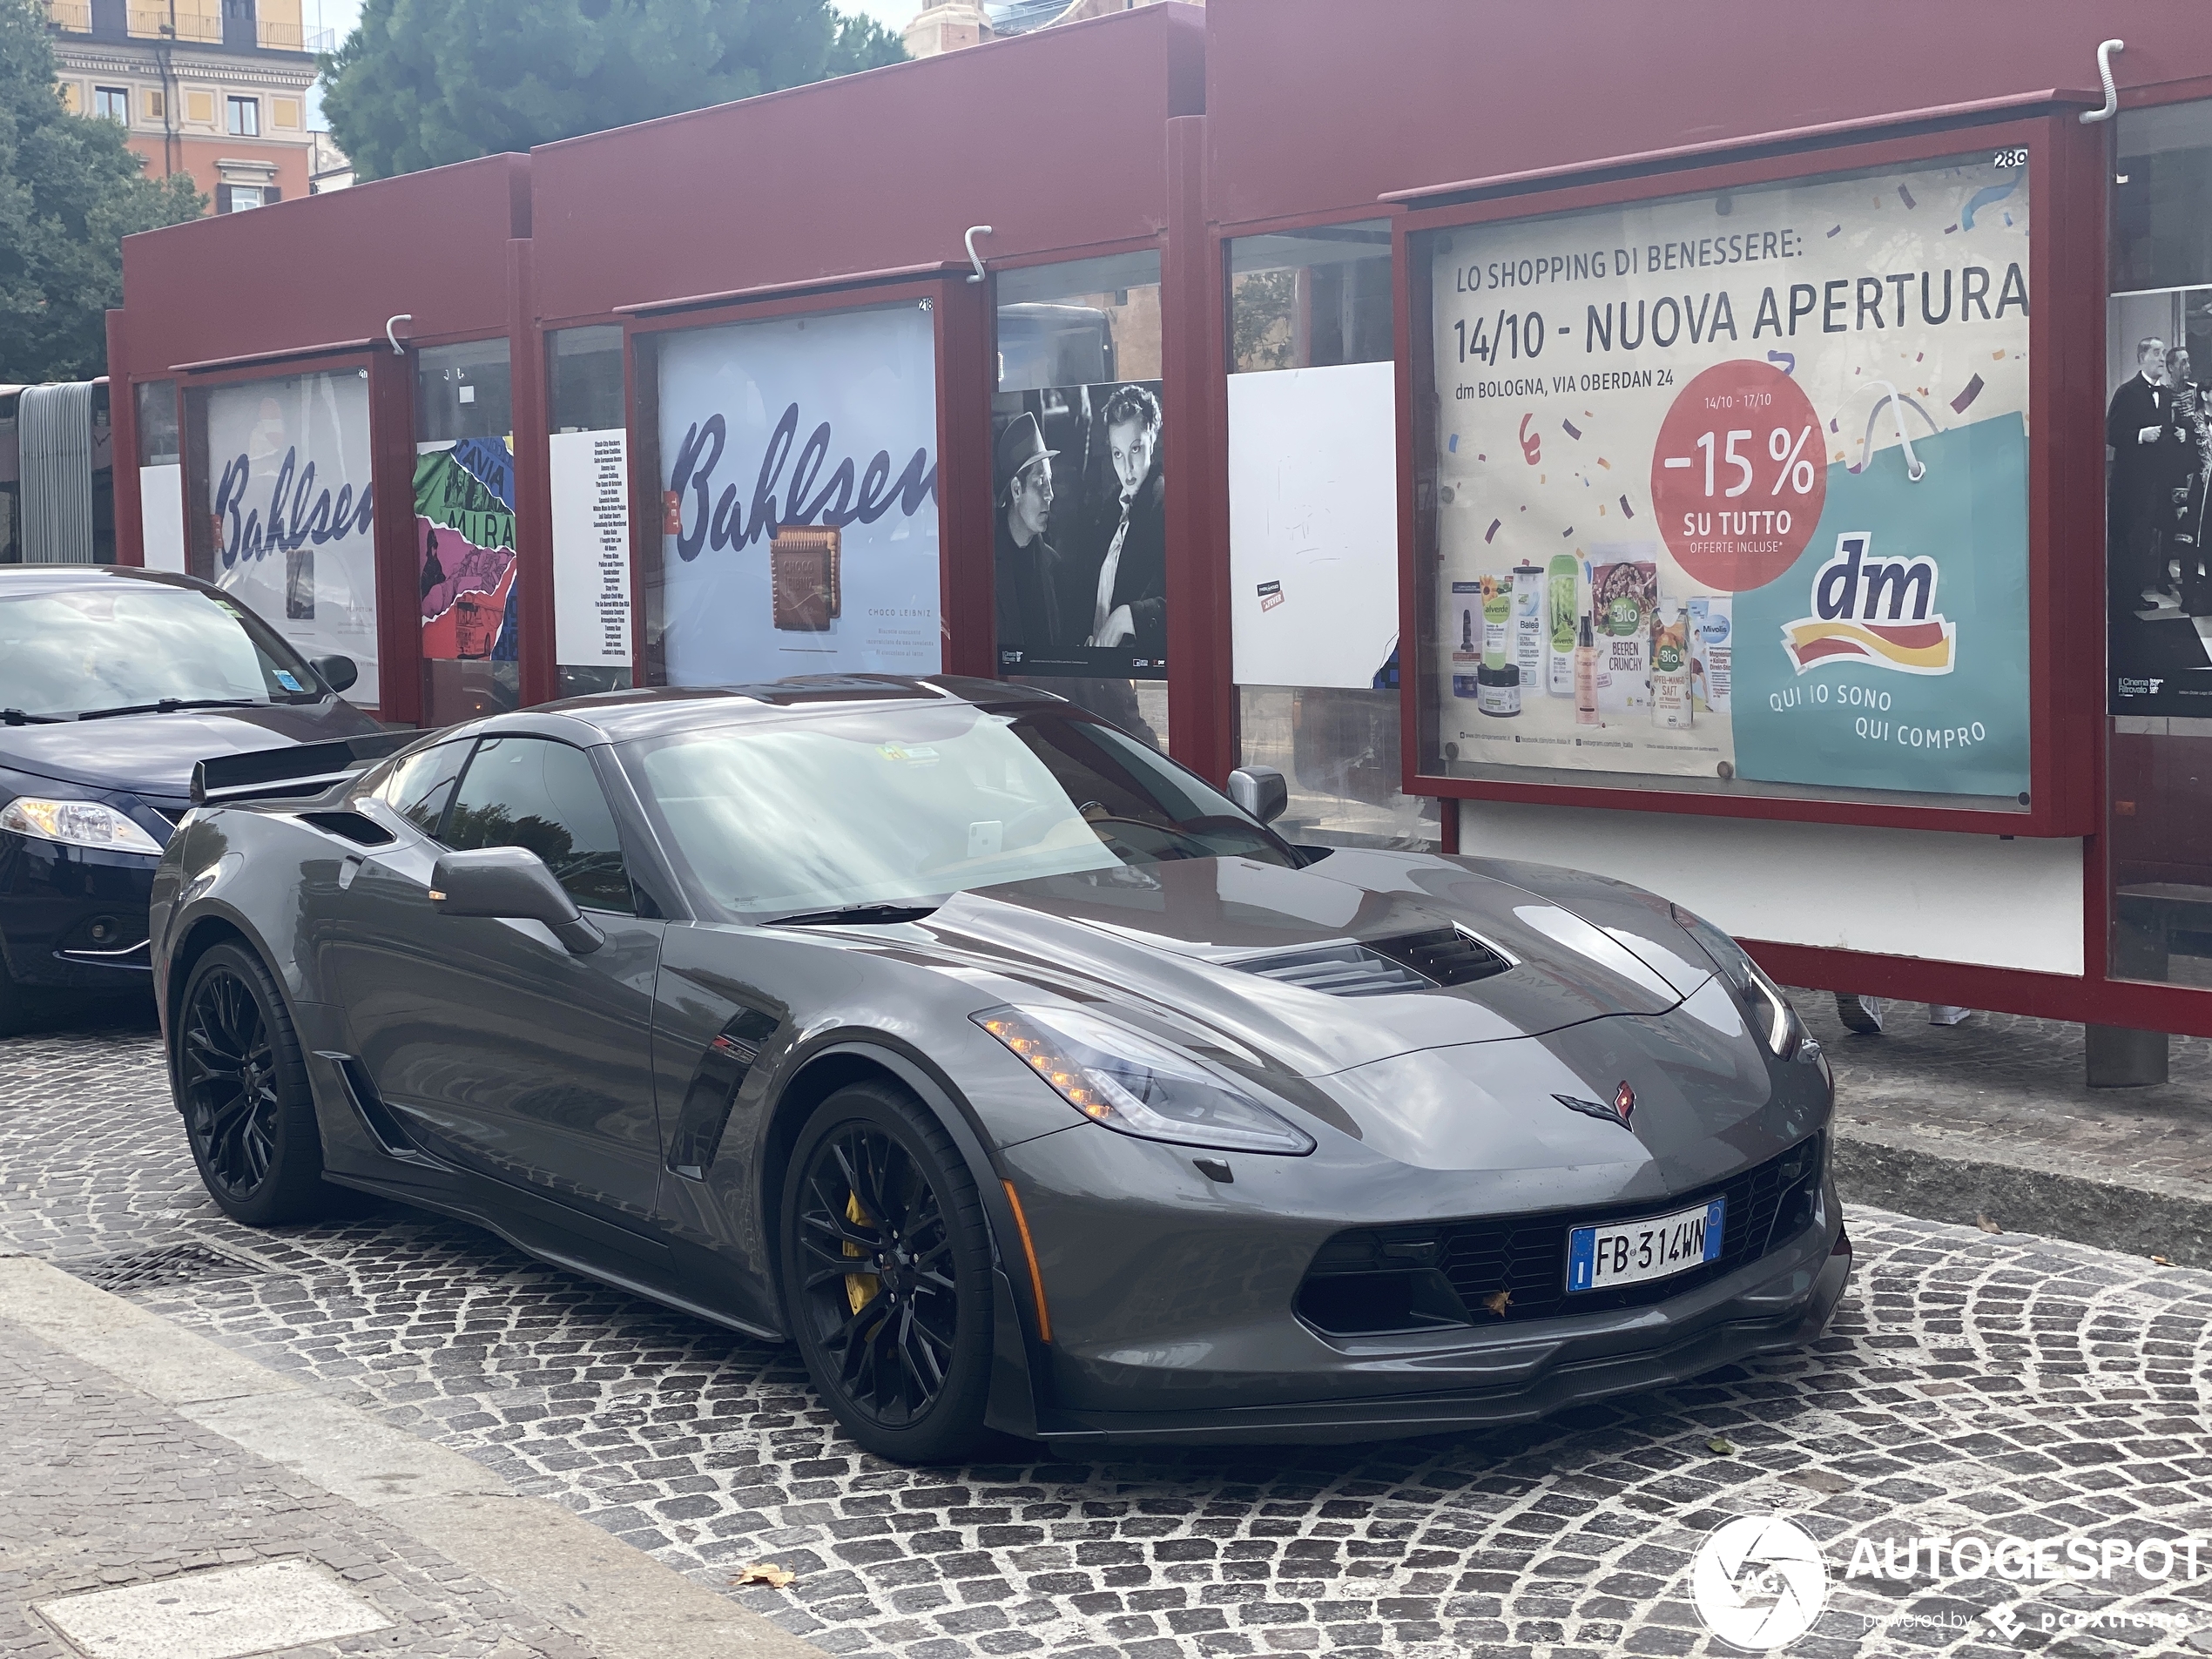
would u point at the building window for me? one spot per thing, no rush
(245, 118)
(199, 109)
(236, 198)
(153, 105)
(112, 104)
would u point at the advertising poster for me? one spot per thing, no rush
(464, 545)
(1313, 525)
(288, 466)
(2158, 460)
(1080, 509)
(799, 497)
(1736, 487)
(591, 548)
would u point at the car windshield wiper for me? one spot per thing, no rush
(858, 912)
(171, 704)
(16, 717)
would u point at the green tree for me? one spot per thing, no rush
(421, 83)
(69, 192)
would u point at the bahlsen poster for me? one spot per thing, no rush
(1734, 487)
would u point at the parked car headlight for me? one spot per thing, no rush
(76, 823)
(1139, 1085)
(1771, 1012)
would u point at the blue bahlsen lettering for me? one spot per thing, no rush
(719, 520)
(296, 515)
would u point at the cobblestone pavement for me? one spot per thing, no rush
(1993, 1384)
(103, 1487)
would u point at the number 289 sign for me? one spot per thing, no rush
(1773, 440)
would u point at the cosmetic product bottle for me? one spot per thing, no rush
(1585, 673)
(1528, 586)
(1559, 594)
(1672, 709)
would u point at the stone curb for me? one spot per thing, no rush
(1952, 1177)
(618, 1600)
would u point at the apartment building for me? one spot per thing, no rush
(216, 88)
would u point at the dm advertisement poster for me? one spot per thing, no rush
(799, 508)
(464, 549)
(1735, 487)
(288, 465)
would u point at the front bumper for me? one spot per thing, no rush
(74, 918)
(1176, 1298)
(1779, 1303)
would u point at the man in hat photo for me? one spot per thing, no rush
(1031, 606)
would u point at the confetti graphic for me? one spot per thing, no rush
(1532, 446)
(1905, 196)
(1491, 534)
(1452, 444)
(1627, 511)
(1788, 359)
(1570, 428)
(1973, 390)
(1982, 199)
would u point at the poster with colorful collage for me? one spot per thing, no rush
(464, 543)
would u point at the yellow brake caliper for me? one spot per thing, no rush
(859, 1288)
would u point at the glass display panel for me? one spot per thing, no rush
(464, 531)
(2158, 449)
(1079, 496)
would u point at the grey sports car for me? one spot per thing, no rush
(1024, 1079)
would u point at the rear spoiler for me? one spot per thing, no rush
(302, 770)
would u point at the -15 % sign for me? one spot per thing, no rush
(1737, 475)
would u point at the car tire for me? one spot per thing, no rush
(900, 1353)
(242, 1087)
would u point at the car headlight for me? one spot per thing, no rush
(76, 823)
(1139, 1085)
(1771, 1012)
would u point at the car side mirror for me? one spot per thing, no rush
(512, 884)
(1260, 790)
(338, 672)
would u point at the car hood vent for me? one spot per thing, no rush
(1420, 962)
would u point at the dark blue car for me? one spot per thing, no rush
(113, 683)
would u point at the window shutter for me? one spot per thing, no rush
(271, 194)
(222, 198)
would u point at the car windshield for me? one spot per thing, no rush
(123, 644)
(905, 805)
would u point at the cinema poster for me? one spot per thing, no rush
(1734, 487)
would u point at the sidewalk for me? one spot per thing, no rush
(1992, 1119)
(208, 1507)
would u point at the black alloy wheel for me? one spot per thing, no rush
(885, 1266)
(242, 1087)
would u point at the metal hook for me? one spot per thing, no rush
(398, 350)
(2104, 73)
(974, 258)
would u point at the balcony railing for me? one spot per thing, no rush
(198, 28)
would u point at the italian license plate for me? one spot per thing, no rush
(1631, 1253)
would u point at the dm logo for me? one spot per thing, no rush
(1758, 1583)
(1879, 612)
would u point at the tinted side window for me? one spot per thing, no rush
(419, 785)
(536, 793)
